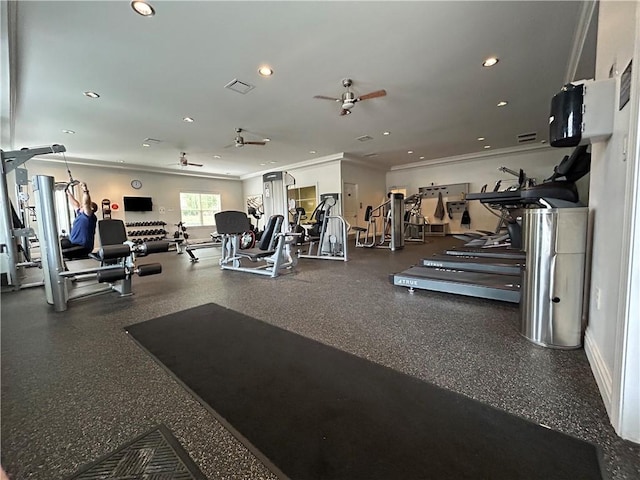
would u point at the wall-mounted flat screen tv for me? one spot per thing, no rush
(138, 204)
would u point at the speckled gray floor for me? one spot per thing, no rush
(75, 387)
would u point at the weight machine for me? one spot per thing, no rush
(117, 260)
(17, 234)
(392, 233)
(331, 240)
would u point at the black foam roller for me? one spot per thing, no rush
(114, 251)
(111, 275)
(149, 269)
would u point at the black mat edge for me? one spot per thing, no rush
(230, 428)
(184, 457)
(265, 460)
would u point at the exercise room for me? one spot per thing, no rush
(319, 240)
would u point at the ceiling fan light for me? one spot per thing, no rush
(348, 105)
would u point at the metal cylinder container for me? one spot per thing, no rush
(554, 240)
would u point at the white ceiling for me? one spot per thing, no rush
(152, 72)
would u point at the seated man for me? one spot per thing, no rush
(81, 238)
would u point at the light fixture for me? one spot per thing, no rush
(217, 156)
(146, 145)
(143, 8)
(266, 139)
(421, 158)
(262, 164)
(502, 103)
(188, 119)
(121, 161)
(487, 146)
(312, 152)
(490, 62)
(71, 132)
(91, 94)
(410, 152)
(480, 139)
(272, 161)
(386, 133)
(265, 71)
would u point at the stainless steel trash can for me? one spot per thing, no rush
(554, 240)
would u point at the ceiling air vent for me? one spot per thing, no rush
(238, 86)
(364, 138)
(527, 137)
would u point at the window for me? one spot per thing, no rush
(304, 197)
(198, 209)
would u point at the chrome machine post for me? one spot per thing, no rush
(52, 264)
(397, 221)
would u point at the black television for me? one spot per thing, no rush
(138, 204)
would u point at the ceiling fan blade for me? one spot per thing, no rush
(376, 94)
(254, 143)
(327, 98)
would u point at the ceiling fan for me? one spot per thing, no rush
(240, 142)
(185, 163)
(349, 99)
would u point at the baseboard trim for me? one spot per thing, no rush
(599, 369)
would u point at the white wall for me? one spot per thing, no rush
(371, 188)
(164, 189)
(478, 171)
(610, 209)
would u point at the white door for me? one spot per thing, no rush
(350, 204)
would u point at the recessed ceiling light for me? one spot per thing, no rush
(188, 119)
(421, 158)
(487, 146)
(502, 103)
(480, 139)
(146, 145)
(68, 131)
(386, 133)
(121, 161)
(272, 161)
(410, 152)
(266, 139)
(543, 141)
(262, 164)
(143, 8)
(490, 62)
(217, 156)
(312, 152)
(91, 94)
(265, 71)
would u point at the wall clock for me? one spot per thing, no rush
(136, 184)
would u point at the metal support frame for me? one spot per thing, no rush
(332, 243)
(392, 235)
(9, 161)
(278, 260)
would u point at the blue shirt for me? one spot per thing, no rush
(83, 230)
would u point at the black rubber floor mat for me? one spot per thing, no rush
(156, 454)
(315, 412)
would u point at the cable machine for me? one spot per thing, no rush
(9, 162)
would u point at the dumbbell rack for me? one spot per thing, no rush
(140, 232)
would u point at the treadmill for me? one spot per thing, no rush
(494, 273)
